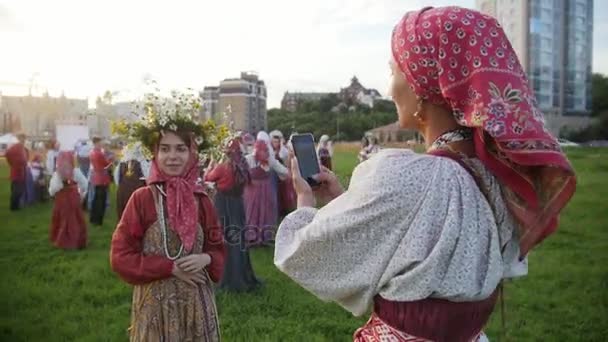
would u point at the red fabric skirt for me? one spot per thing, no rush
(430, 319)
(68, 227)
(376, 330)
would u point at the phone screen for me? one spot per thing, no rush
(304, 149)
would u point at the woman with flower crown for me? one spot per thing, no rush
(169, 243)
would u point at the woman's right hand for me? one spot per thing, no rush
(190, 278)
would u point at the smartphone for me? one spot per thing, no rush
(304, 149)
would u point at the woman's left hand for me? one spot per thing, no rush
(303, 190)
(194, 263)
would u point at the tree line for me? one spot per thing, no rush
(349, 121)
(341, 121)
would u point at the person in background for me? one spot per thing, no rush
(110, 156)
(369, 147)
(29, 195)
(83, 151)
(230, 179)
(325, 152)
(51, 156)
(38, 176)
(68, 186)
(286, 195)
(261, 195)
(281, 153)
(425, 240)
(100, 180)
(130, 174)
(261, 211)
(248, 142)
(17, 157)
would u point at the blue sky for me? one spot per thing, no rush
(86, 47)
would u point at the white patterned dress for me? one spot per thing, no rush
(409, 227)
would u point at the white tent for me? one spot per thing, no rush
(8, 139)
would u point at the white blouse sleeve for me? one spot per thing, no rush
(50, 162)
(82, 182)
(145, 168)
(55, 184)
(402, 230)
(340, 252)
(250, 160)
(279, 168)
(117, 174)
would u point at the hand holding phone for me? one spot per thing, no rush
(304, 150)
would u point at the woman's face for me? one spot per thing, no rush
(404, 97)
(276, 143)
(173, 154)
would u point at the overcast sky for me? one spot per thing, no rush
(86, 47)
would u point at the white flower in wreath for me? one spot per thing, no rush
(198, 140)
(173, 127)
(163, 120)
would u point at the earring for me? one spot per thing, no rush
(418, 109)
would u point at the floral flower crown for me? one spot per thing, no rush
(178, 113)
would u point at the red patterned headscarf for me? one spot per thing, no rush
(261, 152)
(65, 165)
(182, 205)
(462, 60)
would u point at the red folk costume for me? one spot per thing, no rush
(431, 242)
(144, 244)
(68, 185)
(462, 60)
(99, 164)
(17, 156)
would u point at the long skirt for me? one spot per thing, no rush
(91, 196)
(171, 309)
(123, 193)
(29, 196)
(238, 272)
(68, 227)
(261, 210)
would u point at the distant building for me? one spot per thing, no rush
(291, 101)
(100, 120)
(37, 116)
(392, 133)
(242, 100)
(553, 40)
(210, 97)
(357, 93)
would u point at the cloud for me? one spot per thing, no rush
(86, 47)
(8, 21)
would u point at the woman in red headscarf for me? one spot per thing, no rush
(425, 239)
(68, 186)
(261, 207)
(169, 245)
(230, 178)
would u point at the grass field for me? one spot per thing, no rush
(47, 294)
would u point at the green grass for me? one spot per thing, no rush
(47, 294)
